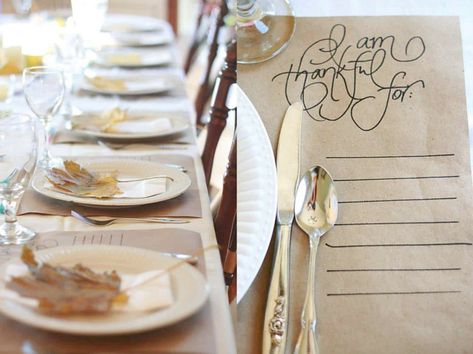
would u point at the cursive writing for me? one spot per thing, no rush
(360, 80)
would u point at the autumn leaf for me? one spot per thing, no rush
(75, 179)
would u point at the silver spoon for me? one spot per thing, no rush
(316, 208)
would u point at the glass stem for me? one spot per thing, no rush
(9, 210)
(48, 134)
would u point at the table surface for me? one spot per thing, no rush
(225, 341)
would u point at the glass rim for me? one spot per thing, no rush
(43, 69)
(21, 118)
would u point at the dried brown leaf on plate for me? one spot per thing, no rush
(77, 180)
(67, 290)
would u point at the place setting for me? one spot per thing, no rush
(134, 57)
(106, 241)
(372, 196)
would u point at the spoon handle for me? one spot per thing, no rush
(277, 303)
(307, 341)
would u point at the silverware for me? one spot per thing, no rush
(110, 221)
(316, 209)
(277, 304)
(173, 165)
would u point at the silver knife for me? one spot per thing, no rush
(287, 163)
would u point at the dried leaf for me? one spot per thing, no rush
(65, 291)
(76, 180)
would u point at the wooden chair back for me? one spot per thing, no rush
(219, 110)
(197, 38)
(225, 220)
(203, 94)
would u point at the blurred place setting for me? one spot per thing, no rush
(355, 228)
(117, 176)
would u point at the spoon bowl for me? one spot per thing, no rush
(316, 204)
(316, 209)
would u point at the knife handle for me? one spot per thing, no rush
(277, 304)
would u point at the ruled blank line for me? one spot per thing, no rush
(398, 293)
(393, 178)
(395, 200)
(392, 270)
(398, 223)
(402, 245)
(389, 156)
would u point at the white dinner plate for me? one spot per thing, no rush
(134, 57)
(189, 288)
(138, 84)
(178, 125)
(133, 23)
(126, 169)
(142, 39)
(256, 193)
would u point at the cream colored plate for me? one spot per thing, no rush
(189, 288)
(179, 125)
(147, 57)
(127, 169)
(133, 23)
(136, 85)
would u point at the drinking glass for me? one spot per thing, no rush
(89, 16)
(44, 92)
(22, 7)
(264, 29)
(18, 153)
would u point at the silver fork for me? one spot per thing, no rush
(110, 221)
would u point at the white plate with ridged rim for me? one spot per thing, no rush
(125, 169)
(256, 193)
(189, 287)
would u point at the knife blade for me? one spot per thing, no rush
(287, 164)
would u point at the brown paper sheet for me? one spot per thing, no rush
(187, 204)
(385, 114)
(193, 335)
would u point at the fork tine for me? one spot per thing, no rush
(89, 221)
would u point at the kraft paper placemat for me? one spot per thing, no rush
(385, 114)
(187, 204)
(193, 335)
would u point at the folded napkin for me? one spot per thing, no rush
(120, 121)
(123, 59)
(106, 83)
(142, 189)
(142, 126)
(146, 291)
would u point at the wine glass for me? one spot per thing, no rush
(18, 153)
(89, 16)
(44, 90)
(22, 7)
(264, 29)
